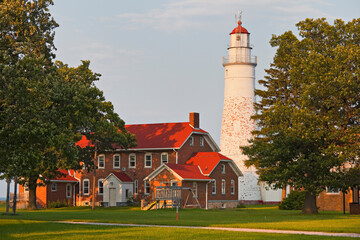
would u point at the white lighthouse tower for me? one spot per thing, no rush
(239, 107)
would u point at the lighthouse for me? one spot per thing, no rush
(237, 124)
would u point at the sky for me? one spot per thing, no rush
(162, 59)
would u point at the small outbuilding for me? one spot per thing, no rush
(118, 187)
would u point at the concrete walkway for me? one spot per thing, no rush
(353, 235)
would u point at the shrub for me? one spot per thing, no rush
(57, 204)
(241, 205)
(294, 201)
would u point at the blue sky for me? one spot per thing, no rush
(162, 59)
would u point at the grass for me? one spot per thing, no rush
(250, 217)
(34, 230)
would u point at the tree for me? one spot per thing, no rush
(45, 106)
(308, 115)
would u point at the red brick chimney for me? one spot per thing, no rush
(194, 119)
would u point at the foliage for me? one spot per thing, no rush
(45, 106)
(241, 205)
(294, 201)
(58, 204)
(308, 115)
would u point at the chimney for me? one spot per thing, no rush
(194, 119)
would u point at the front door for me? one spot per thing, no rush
(112, 197)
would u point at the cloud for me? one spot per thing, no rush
(189, 14)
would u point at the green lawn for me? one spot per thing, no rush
(250, 217)
(28, 229)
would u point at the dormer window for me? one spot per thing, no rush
(191, 140)
(201, 141)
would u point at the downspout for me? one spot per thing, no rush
(176, 155)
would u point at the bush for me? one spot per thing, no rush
(57, 204)
(241, 205)
(294, 201)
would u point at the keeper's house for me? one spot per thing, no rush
(174, 164)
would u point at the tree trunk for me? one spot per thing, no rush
(15, 195)
(7, 195)
(310, 203)
(343, 202)
(32, 193)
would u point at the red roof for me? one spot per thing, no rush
(207, 161)
(162, 135)
(187, 172)
(84, 142)
(66, 178)
(157, 135)
(239, 29)
(122, 176)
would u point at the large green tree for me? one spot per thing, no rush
(308, 113)
(45, 106)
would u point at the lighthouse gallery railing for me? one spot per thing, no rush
(247, 59)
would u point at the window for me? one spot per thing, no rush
(136, 186)
(232, 187)
(164, 158)
(146, 187)
(213, 186)
(132, 160)
(223, 168)
(148, 160)
(191, 140)
(127, 193)
(53, 187)
(332, 190)
(101, 162)
(86, 186)
(201, 141)
(68, 190)
(100, 187)
(194, 188)
(116, 161)
(174, 183)
(223, 190)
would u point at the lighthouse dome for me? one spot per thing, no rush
(239, 29)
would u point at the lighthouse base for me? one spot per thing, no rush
(251, 191)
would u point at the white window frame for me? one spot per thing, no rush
(132, 160)
(223, 186)
(102, 156)
(146, 187)
(53, 187)
(223, 169)
(332, 190)
(68, 193)
(100, 181)
(213, 186)
(167, 157)
(191, 141)
(195, 189)
(232, 187)
(201, 141)
(26, 187)
(116, 155)
(145, 160)
(136, 186)
(88, 187)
